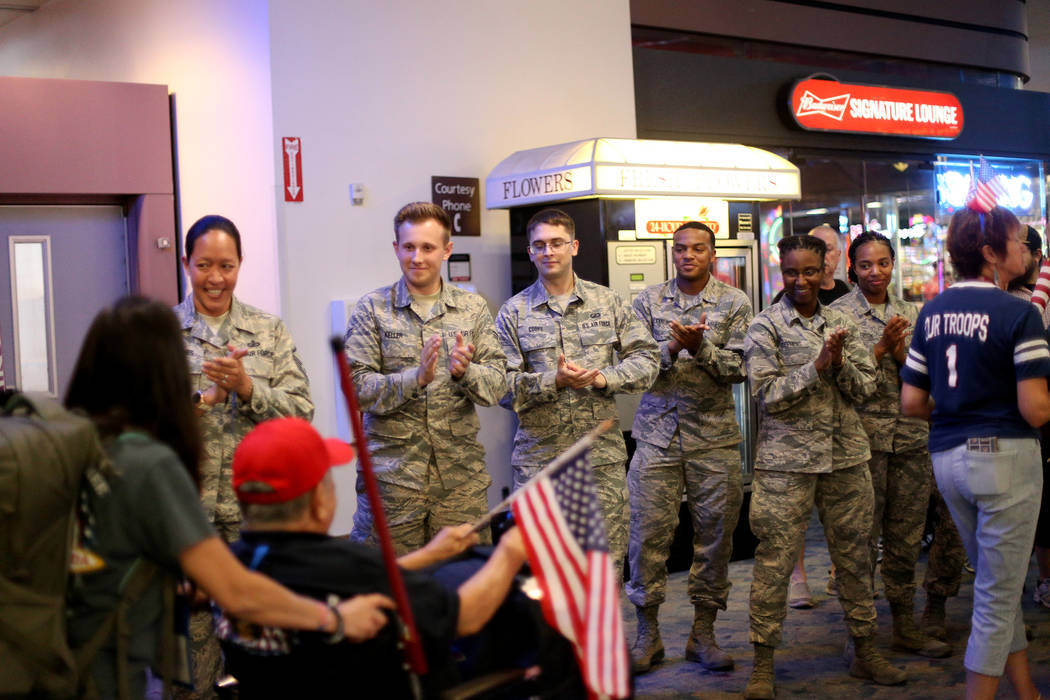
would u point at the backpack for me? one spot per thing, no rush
(44, 452)
(47, 456)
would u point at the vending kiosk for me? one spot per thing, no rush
(627, 196)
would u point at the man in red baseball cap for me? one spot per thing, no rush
(283, 459)
(281, 477)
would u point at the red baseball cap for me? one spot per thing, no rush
(282, 459)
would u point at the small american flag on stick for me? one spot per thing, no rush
(985, 189)
(561, 524)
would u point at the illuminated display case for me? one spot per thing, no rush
(909, 201)
(851, 195)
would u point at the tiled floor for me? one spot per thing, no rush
(809, 663)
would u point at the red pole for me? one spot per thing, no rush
(413, 648)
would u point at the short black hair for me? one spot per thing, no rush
(789, 243)
(212, 222)
(699, 226)
(854, 250)
(551, 217)
(1034, 240)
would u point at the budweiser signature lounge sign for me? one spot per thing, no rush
(828, 105)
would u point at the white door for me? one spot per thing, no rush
(58, 266)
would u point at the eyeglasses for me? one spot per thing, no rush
(554, 246)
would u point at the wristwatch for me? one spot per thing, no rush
(198, 400)
(340, 633)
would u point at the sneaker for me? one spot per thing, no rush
(1042, 592)
(832, 586)
(799, 596)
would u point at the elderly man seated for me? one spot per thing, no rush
(281, 476)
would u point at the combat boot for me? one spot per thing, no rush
(908, 637)
(933, 622)
(702, 647)
(761, 685)
(648, 649)
(866, 662)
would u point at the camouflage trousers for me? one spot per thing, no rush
(781, 503)
(415, 515)
(901, 485)
(206, 658)
(610, 480)
(944, 570)
(711, 479)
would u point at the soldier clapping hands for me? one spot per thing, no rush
(831, 354)
(687, 337)
(570, 375)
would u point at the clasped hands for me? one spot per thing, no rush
(892, 341)
(831, 352)
(458, 360)
(228, 375)
(687, 337)
(576, 377)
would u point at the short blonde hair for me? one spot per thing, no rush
(418, 212)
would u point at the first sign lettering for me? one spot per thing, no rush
(828, 105)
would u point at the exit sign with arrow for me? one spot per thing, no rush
(293, 169)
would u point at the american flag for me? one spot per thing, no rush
(561, 524)
(985, 189)
(1041, 293)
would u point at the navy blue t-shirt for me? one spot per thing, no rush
(971, 346)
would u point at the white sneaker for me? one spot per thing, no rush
(1042, 592)
(799, 596)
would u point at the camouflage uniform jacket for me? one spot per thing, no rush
(596, 331)
(887, 429)
(279, 388)
(693, 394)
(807, 420)
(384, 339)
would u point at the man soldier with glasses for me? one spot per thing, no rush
(571, 346)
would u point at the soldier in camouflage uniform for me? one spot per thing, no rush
(688, 436)
(900, 461)
(807, 368)
(422, 353)
(571, 346)
(245, 368)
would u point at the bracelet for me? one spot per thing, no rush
(340, 633)
(324, 618)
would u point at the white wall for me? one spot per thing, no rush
(215, 58)
(390, 93)
(385, 93)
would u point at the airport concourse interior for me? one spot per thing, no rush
(601, 348)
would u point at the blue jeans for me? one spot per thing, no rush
(994, 500)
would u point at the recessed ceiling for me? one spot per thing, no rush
(12, 10)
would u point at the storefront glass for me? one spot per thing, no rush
(908, 200)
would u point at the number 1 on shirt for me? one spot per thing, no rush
(953, 374)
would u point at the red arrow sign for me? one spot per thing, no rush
(293, 169)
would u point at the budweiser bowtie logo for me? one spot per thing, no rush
(834, 107)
